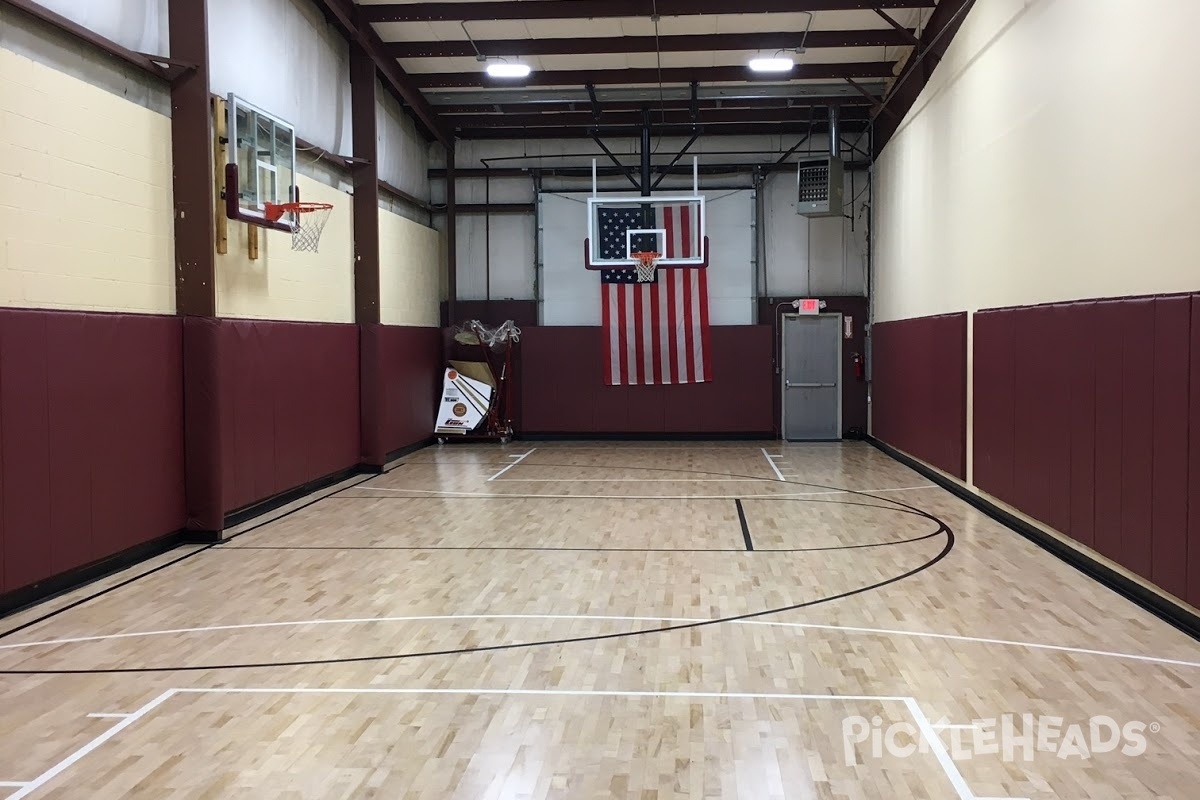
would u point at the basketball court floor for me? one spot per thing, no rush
(578, 620)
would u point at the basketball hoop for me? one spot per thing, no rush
(310, 222)
(647, 264)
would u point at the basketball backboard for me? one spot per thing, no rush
(261, 167)
(671, 225)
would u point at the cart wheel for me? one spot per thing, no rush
(441, 440)
(505, 439)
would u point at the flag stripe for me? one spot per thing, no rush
(705, 349)
(655, 321)
(689, 346)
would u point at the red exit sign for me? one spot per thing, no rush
(808, 305)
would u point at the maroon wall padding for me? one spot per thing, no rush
(1169, 508)
(1110, 347)
(1077, 361)
(91, 438)
(204, 441)
(1087, 418)
(563, 390)
(411, 367)
(1193, 538)
(1137, 436)
(919, 388)
(289, 406)
(993, 395)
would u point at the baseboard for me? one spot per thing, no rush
(49, 588)
(645, 437)
(1161, 606)
(246, 513)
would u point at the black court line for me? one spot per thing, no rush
(745, 528)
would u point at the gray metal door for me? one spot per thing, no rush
(812, 392)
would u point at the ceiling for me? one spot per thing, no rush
(599, 65)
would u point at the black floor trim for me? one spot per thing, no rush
(1157, 604)
(29, 596)
(246, 513)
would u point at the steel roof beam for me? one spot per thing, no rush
(586, 45)
(649, 75)
(586, 9)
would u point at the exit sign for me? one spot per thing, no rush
(808, 305)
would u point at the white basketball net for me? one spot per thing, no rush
(646, 266)
(497, 338)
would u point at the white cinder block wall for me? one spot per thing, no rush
(85, 195)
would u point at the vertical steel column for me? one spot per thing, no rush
(195, 268)
(365, 173)
(451, 240)
(646, 187)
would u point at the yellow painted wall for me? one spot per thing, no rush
(85, 195)
(1036, 166)
(411, 258)
(287, 285)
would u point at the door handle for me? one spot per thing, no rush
(790, 385)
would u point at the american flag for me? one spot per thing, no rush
(654, 332)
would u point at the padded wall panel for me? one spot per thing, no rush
(1033, 364)
(26, 471)
(919, 380)
(562, 389)
(411, 366)
(1057, 427)
(290, 405)
(1078, 363)
(994, 402)
(1110, 346)
(1172, 330)
(91, 461)
(1193, 539)
(1137, 435)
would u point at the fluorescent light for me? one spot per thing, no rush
(503, 69)
(777, 64)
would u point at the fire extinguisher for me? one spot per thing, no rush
(859, 365)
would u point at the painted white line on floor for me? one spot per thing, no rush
(771, 460)
(13, 784)
(634, 480)
(939, 750)
(518, 460)
(108, 716)
(547, 693)
(544, 496)
(58, 768)
(440, 617)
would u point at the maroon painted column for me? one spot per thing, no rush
(195, 266)
(451, 240)
(366, 256)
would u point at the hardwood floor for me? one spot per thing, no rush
(586, 620)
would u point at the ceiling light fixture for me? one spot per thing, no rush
(505, 69)
(774, 64)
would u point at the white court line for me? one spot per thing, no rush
(57, 769)
(634, 480)
(771, 460)
(529, 496)
(108, 716)
(939, 750)
(428, 618)
(13, 784)
(518, 458)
